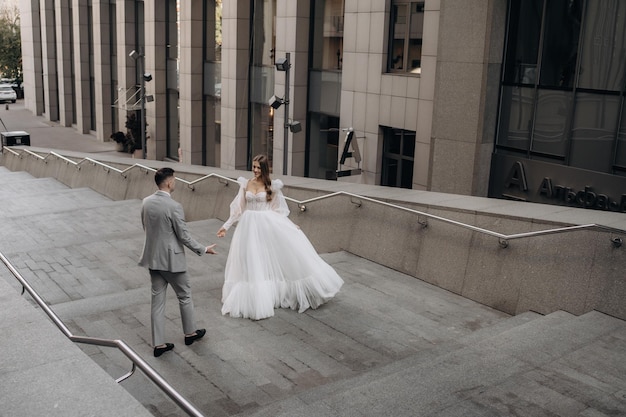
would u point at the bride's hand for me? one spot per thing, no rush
(221, 232)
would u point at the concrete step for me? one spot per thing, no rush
(38, 203)
(557, 365)
(422, 358)
(7, 175)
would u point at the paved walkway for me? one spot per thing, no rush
(51, 135)
(387, 345)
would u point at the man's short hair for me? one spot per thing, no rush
(162, 174)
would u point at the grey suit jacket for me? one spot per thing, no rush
(163, 220)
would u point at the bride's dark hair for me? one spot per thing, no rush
(265, 174)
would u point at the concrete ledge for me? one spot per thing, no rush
(43, 373)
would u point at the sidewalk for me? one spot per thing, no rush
(46, 134)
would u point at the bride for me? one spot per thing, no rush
(271, 263)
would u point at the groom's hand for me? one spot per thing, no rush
(209, 249)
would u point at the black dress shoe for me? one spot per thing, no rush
(199, 334)
(158, 351)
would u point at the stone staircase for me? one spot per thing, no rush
(554, 365)
(387, 345)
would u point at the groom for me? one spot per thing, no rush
(163, 254)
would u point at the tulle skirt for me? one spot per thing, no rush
(272, 264)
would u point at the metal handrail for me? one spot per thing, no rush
(502, 238)
(35, 154)
(138, 361)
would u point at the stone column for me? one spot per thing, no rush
(49, 57)
(31, 56)
(80, 37)
(102, 65)
(235, 61)
(466, 89)
(190, 88)
(64, 63)
(155, 63)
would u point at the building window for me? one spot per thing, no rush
(327, 37)
(563, 87)
(212, 105)
(324, 89)
(323, 147)
(405, 38)
(398, 158)
(172, 20)
(261, 74)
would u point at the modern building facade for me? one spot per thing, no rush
(517, 99)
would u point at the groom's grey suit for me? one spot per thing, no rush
(163, 254)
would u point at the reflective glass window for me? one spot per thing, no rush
(405, 40)
(603, 60)
(327, 52)
(516, 117)
(560, 43)
(593, 132)
(551, 122)
(262, 73)
(398, 158)
(523, 46)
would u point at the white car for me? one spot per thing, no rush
(7, 93)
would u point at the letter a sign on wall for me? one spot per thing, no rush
(517, 177)
(350, 143)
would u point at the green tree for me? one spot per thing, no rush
(10, 43)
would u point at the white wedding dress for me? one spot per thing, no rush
(271, 262)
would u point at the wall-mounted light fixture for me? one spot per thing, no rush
(283, 64)
(295, 127)
(276, 102)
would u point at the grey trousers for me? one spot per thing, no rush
(181, 285)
